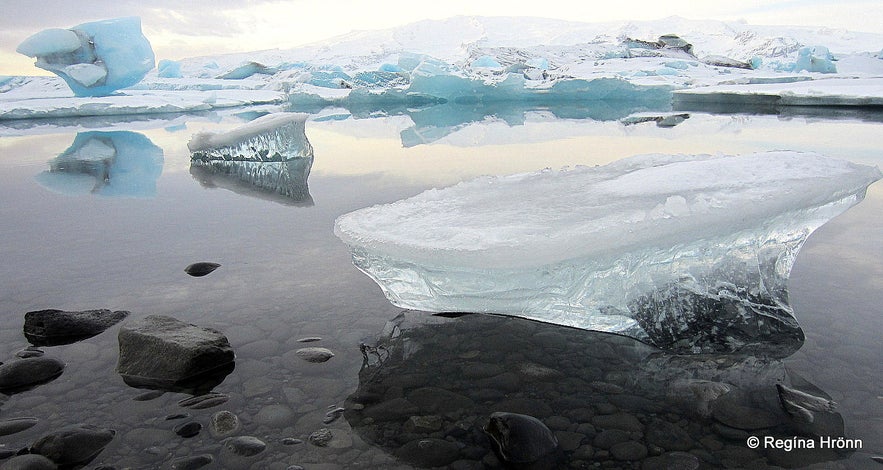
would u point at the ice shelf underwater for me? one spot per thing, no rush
(689, 253)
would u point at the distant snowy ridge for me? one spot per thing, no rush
(471, 60)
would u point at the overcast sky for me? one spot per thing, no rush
(187, 28)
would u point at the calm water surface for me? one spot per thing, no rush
(285, 276)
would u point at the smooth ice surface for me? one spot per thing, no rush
(96, 58)
(609, 248)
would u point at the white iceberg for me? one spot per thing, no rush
(654, 247)
(95, 59)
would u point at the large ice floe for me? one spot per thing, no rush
(95, 59)
(684, 252)
(270, 155)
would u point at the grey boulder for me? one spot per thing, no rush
(162, 352)
(73, 445)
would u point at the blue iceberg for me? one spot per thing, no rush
(95, 59)
(655, 247)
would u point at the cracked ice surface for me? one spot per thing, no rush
(659, 247)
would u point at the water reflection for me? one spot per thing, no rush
(858, 113)
(116, 163)
(436, 380)
(269, 158)
(434, 121)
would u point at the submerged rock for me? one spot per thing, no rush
(244, 446)
(14, 425)
(55, 327)
(314, 354)
(25, 373)
(223, 423)
(28, 462)
(160, 351)
(72, 445)
(191, 462)
(801, 405)
(520, 438)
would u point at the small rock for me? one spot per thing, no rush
(14, 425)
(623, 421)
(668, 436)
(244, 446)
(151, 395)
(202, 402)
(28, 462)
(630, 450)
(24, 373)
(27, 352)
(275, 415)
(309, 339)
(189, 429)
(321, 437)
(423, 424)
(56, 327)
(201, 269)
(671, 461)
(223, 423)
(430, 452)
(191, 462)
(332, 415)
(291, 441)
(314, 354)
(73, 444)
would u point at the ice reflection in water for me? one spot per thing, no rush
(437, 380)
(268, 158)
(117, 163)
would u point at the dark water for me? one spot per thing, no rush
(421, 397)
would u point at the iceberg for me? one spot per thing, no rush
(662, 248)
(115, 163)
(270, 154)
(95, 59)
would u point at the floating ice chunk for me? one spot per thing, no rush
(486, 61)
(168, 69)
(815, 59)
(601, 248)
(247, 70)
(119, 163)
(95, 59)
(270, 154)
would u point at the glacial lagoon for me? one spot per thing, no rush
(87, 224)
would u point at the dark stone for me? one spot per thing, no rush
(188, 429)
(72, 445)
(321, 437)
(429, 452)
(244, 446)
(671, 461)
(55, 327)
(610, 437)
(161, 352)
(623, 421)
(201, 269)
(733, 410)
(191, 462)
(520, 438)
(630, 450)
(668, 436)
(14, 425)
(315, 355)
(28, 462)
(22, 374)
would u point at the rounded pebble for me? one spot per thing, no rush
(314, 354)
(188, 429)
(244, 446)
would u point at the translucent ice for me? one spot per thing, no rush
(271, 153)
(652, 246)
(95, 59)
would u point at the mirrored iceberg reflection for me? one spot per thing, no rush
(689, 253)
(117, 163)
(269, 156)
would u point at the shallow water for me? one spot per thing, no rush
(285, 276)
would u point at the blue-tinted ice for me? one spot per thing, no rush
(270, 154)
(686, 252)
